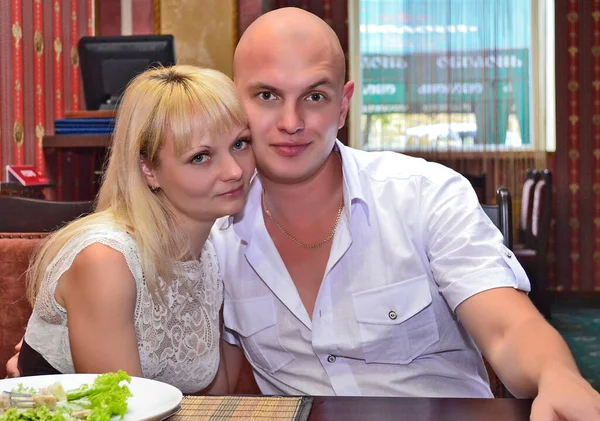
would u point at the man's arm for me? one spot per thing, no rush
(230, 363)
(234, 375)
(528, 355)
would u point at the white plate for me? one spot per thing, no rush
(151, 400)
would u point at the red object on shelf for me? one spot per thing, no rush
(27, 175)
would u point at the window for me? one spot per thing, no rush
(451, 74)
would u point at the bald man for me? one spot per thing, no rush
(356, 273)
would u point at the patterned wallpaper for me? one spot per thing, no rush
(577, 157)
(39, 73)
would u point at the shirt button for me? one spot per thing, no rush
(392, 315)
(331, 359)
(508, 254)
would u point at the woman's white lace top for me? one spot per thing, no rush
(178, 341)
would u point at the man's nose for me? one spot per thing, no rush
(230, 169)
(291, 119)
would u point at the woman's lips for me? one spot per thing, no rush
(233, 193)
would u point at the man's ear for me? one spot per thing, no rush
(149, 174)
(347, 93)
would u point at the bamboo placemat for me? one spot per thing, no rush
(253, 408)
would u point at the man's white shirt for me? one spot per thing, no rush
(411, 245)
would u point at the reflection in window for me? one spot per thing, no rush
(445, 74)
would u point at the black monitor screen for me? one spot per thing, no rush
(108, 63)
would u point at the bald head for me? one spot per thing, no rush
(289, 31)
(289, 71)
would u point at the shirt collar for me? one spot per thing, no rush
(353, 189)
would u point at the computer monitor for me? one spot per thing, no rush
(108, 63)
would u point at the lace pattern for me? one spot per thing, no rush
(178, 339)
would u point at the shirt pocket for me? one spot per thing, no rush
(397, 322)
(255, 321)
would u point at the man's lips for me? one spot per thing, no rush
(289, 149)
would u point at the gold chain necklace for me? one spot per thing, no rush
(294, 239)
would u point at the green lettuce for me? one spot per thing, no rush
(105, 398)
(40, 413)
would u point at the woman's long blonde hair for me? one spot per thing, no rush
(179, 100)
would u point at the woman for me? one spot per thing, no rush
(137, 280)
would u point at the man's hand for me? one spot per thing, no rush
(565, 395)
(12, 370)
(529, 356)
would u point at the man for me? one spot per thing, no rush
(356, 273)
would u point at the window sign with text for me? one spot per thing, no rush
(445, 73)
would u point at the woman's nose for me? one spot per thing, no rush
(230, 169)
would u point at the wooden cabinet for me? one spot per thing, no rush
(74, 165)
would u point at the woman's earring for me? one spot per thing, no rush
(154, 189)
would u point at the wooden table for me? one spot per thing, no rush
(329, 408)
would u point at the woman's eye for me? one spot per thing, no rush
(200, 158)
(316, 97)
(267, 96)
(241, 144)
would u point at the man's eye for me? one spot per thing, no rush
(200, 158)
(316, 97)
(267, 96)
(241, 144)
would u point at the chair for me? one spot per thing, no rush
(533, 253)
(24, 223)
(501, 216)
(525, 238)
(479, 183)
(33, 215)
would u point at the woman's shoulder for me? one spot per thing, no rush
(104, 243)
(108, 230)
(98, 254)
(102, 236)
(99, 268)
(96, 260)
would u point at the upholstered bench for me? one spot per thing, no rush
(15, 251)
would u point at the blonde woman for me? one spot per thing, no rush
(137, 280)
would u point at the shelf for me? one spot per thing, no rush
(77, 141)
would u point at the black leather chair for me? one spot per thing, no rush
(525, 238)
(501, 214)
(18, 214)
(533, 253)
